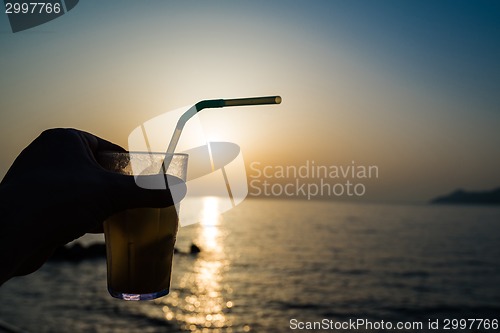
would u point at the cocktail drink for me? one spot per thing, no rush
(140, 246)
(140, 242)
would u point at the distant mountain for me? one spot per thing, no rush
(462, 197)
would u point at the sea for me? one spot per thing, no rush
(291, 265)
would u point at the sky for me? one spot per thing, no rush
(408, 86)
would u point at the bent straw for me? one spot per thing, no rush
(211, 104)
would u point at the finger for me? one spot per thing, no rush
(146, 191)
(99, 229)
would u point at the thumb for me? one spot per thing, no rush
(155, 191)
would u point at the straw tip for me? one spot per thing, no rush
(277, 99)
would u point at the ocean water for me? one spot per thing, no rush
(270, 261)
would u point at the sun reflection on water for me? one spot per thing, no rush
(201, 303)
(209, 230)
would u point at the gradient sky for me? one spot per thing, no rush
(409, 86)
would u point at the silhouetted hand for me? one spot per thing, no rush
(55, 192)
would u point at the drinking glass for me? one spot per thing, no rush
(140, 242)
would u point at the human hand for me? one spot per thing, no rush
(55, 192)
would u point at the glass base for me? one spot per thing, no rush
(138, 297)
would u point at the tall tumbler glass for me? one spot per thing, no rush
(140, 242)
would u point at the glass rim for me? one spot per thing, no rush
(111, 152)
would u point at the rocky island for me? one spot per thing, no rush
(462, 197)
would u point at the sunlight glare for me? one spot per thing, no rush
(210, 214)
(209, 224)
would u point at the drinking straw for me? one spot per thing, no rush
(211, 104)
